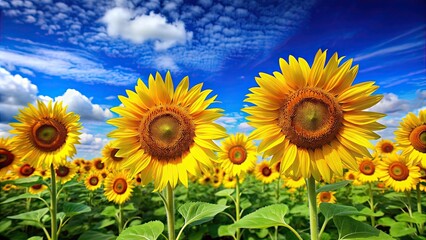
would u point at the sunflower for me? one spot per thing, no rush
(205, 179)
(24, 170)
(109, 158)
(98, 164)
(217, 180)
(46, 134)
(265, 173)
(165, 132)
(8, 156)
(43, 172)
(65, 172)
(118, 187)
(237, 155)
(422, 183)
(367, 169)
(385, 147)
(398, 172)
(294, 182)
(37, 188)
(352, 176)
(138, 180)
(229, 180)
(93, 181)
(326, 197)
(311, 118)
(411, 137)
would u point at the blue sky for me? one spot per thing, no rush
(87, 52)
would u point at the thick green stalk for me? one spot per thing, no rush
(278, 187)
(419, 207)
(120, 218)
(53, 205)
(237, 205)
(370, 191)
(170, 208)
(313, 214)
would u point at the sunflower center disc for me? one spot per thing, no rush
(120, 186)
(237, 154)
(398, 171)
(6, 158)
(36, 186)
(167, 132)
(367, 167)
(48, 135)
(27, 170)
(99, 165)
(325, 197)
(62, 171)
(94, 181)
(418, 138)
(351, 176)
(310, 118)
(387, 148)
(115, 158)
(266, 171)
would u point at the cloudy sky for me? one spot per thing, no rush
(86, 52)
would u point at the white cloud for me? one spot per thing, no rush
(122, 22)
(166, 63)
(15, 92)
(4, 130)
(90, 146)
(26, 71)
(391, 104)
(391, 50)
(205, 3)
(245, 128)
(110, 97)
(83, 106)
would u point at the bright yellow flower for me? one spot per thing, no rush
(265, 173)
(93, 181)
(411, 137)
(98, 164)
(205, 179)
(24, 170)
(46, 134)
(294, 182)
(422, 183)
(326, 197)
(229, 181)
(398, 172)
(109, 158)
(8, 156)
(167, 133)
(37, 188)
(312, 119)
(118, 187)
(65, 172)
(385, 147)
(367, 169)
(237, 155)
(353, 176)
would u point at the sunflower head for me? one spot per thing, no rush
(118, 187)
(24, 170)
(265, 173)
(65, 171)
(237, 155)
(367, 169)
(385, 147)
(166, 133)
(98, 164)
(8, 156)
(312, 119)
(93, 181)
(326, 197)
(37, 188)
(46, 134)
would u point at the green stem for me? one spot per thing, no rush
(276, 233)
(237, 205)
(120, 218)
(170, 208)
(370, 191)
(313, 214)
(323, 227)
(410, 211)
(53, 204)
(419, 207)
(278, 187)
(294, 231)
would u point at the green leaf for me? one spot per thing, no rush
(72, 209)
(129, 207)
(22, 196)
(269, 216)
(386, 221)
(109, 211)
(300, 210)
(196, 213)
(35, 238)
(104, 223)
(226, 230)
(225, 192)
(368, 212)
(25, 182)
(33, 215)
(333, 186)
(92, 235)
(148, 231)
(417, 218)
(330, 210)
(400, 229)
(350, 228)
(245, 203)
(5, 224)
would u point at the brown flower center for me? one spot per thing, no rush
(367, 167)
(418, 138)
(310, 118)
(351, 176)
(266, 171)
(387, 147)
(113, 157)
(237, 154)
(94, 181)
(48, 135)
(325, 196)
(104, 175)
(26, 170)
(6, 158)
(120, 186)
(62, 171)
(99, 165)
(398, 171)
(36, 186)
(167, 132)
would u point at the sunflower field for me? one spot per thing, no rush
(309, 170)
